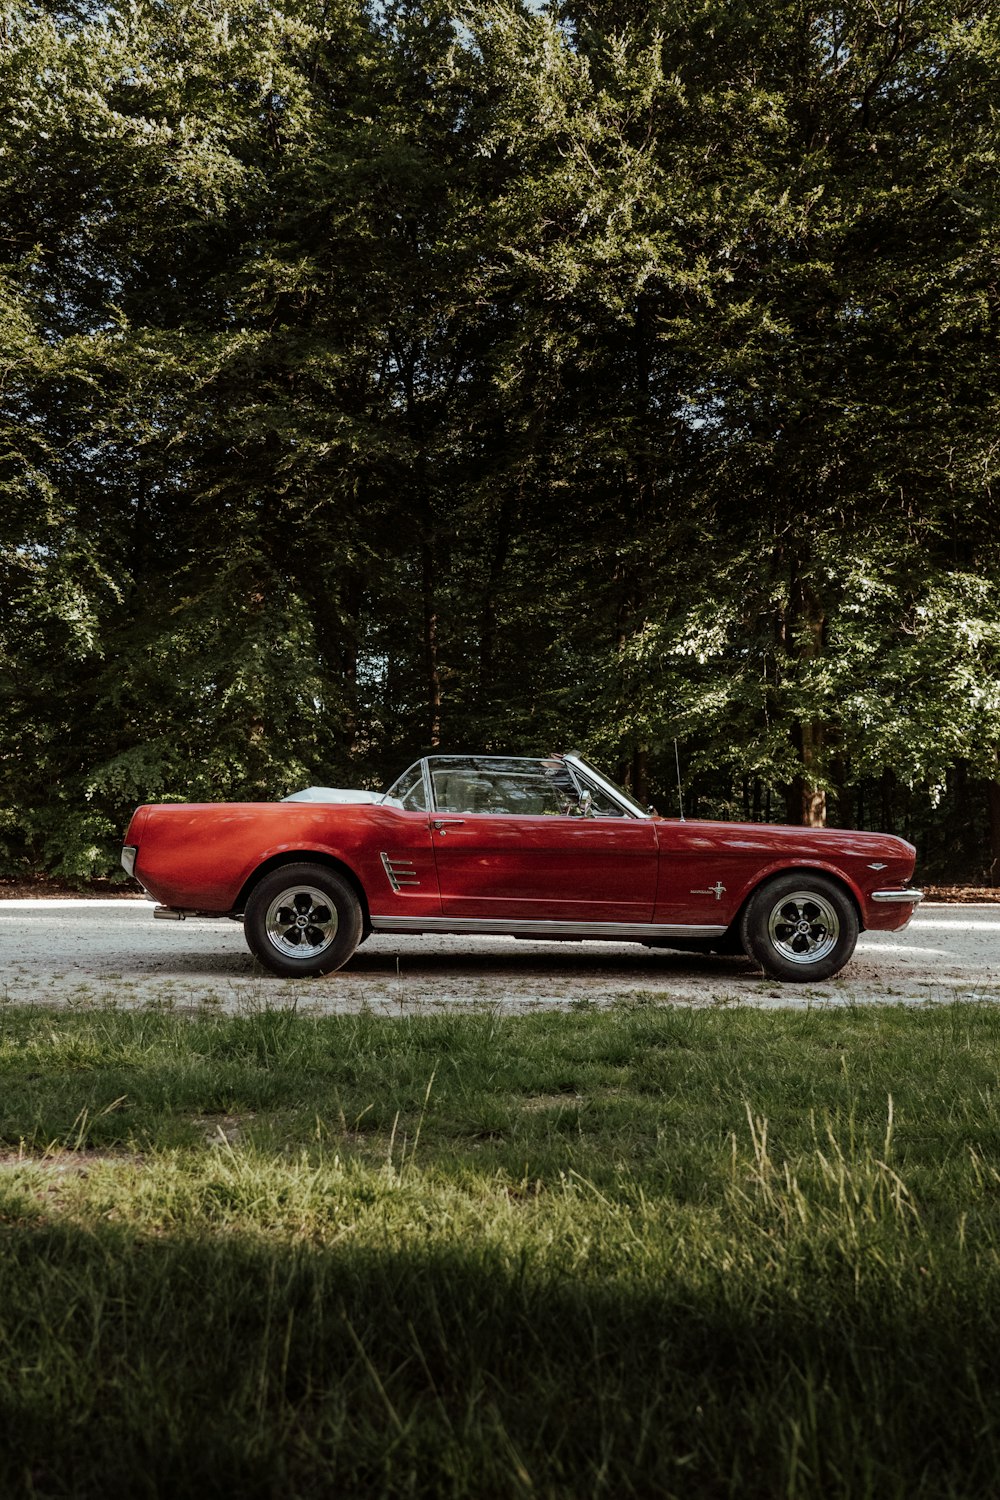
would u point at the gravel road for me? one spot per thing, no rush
(89, 952)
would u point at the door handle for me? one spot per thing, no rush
(443, 824)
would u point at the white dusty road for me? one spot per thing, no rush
(91, 952)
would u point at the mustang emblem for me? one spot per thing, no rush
(715, 890)
(877, 866)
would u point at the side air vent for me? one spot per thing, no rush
(399, 871)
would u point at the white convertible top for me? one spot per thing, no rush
(332, 794)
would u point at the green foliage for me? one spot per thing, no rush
(378, 377)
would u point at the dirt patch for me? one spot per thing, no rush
(222, 1130)
(538, 1103)
(960, 893)
(65, 1163)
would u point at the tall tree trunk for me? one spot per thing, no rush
(432, 666)
(806, 798)
(487, 614)
(888, 789)
(809, 799)
(843, 793)
(137, 539)
(640, 778)
(993, 802)
(757, 811)
(334, 607)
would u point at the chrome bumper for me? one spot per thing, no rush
(129, 853)
(913, 896)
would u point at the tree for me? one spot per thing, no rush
(379, 378)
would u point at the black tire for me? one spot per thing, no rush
(302, 920)
(800, 927)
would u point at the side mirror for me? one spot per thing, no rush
(584, 806)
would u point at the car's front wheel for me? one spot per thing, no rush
(800, 926)
(302, 920)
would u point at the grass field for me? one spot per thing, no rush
(640, 1251)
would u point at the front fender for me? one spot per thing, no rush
(783, 867)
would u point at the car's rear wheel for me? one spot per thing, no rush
(800, 926)
(302, 920)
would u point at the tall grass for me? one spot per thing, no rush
(638, 1252)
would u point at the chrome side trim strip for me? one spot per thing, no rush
(517, 925)
(913, 896)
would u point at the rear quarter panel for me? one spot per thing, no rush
(201, 855)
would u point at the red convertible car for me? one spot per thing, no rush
(539, 848)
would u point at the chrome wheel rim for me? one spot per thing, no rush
(301, 922)
(803, 927)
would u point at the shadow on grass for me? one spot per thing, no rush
(175, 1367)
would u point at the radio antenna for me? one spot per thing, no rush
(680, 793)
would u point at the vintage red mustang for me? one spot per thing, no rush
(540, 848)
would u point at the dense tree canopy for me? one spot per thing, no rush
(376, 377)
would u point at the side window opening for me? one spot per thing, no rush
(408, 791)
(523, 789)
